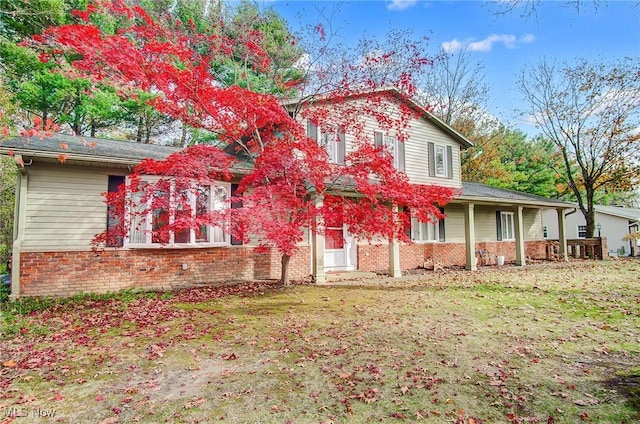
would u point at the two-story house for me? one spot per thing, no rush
(482, 224)
(60, 208)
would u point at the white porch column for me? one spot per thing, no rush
(317, 249)
(394, 259)
(19, 220)
(469, 236)
(562, 234)
(394, 251)
(521, 258)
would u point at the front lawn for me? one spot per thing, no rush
(551, 343)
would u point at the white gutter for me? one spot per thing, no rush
(72, 156)
(507, 202)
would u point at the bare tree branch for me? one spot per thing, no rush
(591, 112)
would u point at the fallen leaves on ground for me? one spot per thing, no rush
(518, 346)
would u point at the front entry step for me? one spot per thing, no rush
(333, 276)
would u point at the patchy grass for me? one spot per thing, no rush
(550, 344)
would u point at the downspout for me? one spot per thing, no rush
(633, 243)
(19, 219)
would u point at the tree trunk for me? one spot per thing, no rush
(139, 133)
(77, 126)
(77, 122)
(284, 275)
(183, 137)
(590, 216)
(590, 219)
(148, 126)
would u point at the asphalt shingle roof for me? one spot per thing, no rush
(88, 148)
(102, 151)
(628, 213)
(478, 191)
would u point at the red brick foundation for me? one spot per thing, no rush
(373, 257)
(376, 257)
(67, 273)
(536, 249)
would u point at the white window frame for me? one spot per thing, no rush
(329, 140)
(424, 232)
(440, 169)
(581, 229)
(146, 223)
(507, 220)
(390, 142)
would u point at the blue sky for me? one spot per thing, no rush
(504, 44)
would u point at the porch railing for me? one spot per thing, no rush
(592, 248)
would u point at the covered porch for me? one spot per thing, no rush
(482, 225)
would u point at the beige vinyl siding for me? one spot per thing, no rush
(533, 224)
(420, 132)
(486, 229)
(417, 158)
(454, 224)
(65, 208)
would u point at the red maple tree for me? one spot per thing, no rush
(285, 181)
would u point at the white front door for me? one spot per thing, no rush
(339, 248)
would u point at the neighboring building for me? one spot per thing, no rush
(59, 208)
(612, 222)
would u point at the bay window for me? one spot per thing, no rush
(424, 231)
(153, 209)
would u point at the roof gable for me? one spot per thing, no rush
(424, 113)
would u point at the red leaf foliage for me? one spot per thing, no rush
(285, 181)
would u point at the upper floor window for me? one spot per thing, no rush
(333, 141)
(167, 204)
(440, 161)
(393, 146)
(582, 231)
(505, 224)
(440, 158)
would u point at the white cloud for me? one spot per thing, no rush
(510, 41)
(452, 46)
(487, 44)
(401, 4)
